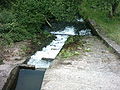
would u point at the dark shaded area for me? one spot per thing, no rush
(12, 79)
(58, 26)
(30, 79)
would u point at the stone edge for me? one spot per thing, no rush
(96, 30)
(11, 80)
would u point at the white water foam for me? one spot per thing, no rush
(41, 59)
(66, 31)
(50, 52)
(80, 20)
(85, 32)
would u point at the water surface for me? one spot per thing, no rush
(30, 79)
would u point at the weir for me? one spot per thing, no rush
(52, 50)
(32, 79)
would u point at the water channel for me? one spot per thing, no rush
(32, 79)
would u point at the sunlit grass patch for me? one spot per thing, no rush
(73, 46)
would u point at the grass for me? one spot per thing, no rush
(25, 49)
(111, 26)
(72, 47)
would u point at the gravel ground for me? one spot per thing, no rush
(98, 69)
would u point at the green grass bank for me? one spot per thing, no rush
(111, 26)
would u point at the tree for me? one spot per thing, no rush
(114, 5)
(63, 9)
(37, 12)
(109, 5)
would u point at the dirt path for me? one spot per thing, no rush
(13, 55)
(98, 69)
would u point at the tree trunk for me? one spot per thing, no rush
(114, 8)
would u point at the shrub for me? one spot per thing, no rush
(29, 13)
(25, 18)
(6, 16)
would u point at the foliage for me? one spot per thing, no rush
(71, 47)
(113, 6)
(25, 18)
(109, 6)
(68, 53)
(6, 3)
(6, 16)
(64, 10)
(10, 31)
(29, 13)
(34, 11)
(42, 40)
(74, 41)
(111, 26)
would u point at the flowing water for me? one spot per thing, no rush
(32, 79)
(42, 59)
(48, 53)
(80, 20)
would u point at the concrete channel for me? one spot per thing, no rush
(30, 76)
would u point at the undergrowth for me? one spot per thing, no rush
(72, 47)
(111, 26)
(24, 19)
